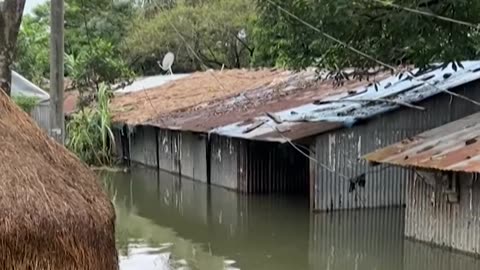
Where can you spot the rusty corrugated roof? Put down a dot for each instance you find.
(243, 108)
(452, 147)
(360, 103)
(301, 106)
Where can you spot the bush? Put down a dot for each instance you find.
(25, 102)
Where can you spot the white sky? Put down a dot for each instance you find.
(30, 4)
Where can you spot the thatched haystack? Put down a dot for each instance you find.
(53, 211)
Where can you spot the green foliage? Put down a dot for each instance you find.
(32, 50)
(89, 132)
(210, 28)
(98, 63)
(390, 35)
(90, 20)
(94, 31)
(25, 102)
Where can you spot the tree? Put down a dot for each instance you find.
(33, 50)
(11, 12)
(393, 36)
(216, 31)
(94, 31)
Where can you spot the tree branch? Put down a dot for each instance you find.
(381, 100)
(251, 50)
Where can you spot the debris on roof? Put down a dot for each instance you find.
(299, 89)
(346, 109)
(452, 147)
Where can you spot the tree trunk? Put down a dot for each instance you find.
(11, 12)
(5, 69)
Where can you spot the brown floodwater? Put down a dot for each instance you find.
(164, 223)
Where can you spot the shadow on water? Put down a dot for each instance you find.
(171, 224)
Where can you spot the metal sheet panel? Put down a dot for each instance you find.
(224, 162)
(41, 115)
(183, 153)
(193, 158)
(452, 147)
(339, 154)
(431, 218)
(258, 167)
(143, 146)
(118, 147)
(168, 151)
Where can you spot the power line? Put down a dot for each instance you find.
(344, 44)
(429, 14)
(367, 56)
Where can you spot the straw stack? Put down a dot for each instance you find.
(53, 211)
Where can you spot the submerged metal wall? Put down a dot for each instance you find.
(344, 181)
(258, 167)
(143, 146)
(224, 162)
(431, 218)
(183, 153)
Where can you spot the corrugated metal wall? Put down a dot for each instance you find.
(258, 167)
(193, 156)
(356, 185)
(118, 147)
(365, 239)
(183, 153)
(143, 146)
(121, 145)
(224, 161)
(41, 115)
(168, 151)
(431, 218)
(274, 168)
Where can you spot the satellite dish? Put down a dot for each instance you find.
(167, 62)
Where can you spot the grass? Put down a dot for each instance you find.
(89, 133)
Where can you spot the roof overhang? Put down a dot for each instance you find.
(452, 147)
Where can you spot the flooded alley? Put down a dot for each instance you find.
(167, 223)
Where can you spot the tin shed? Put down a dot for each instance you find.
(279, 131)
(41, 112)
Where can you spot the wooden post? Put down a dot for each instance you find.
(57, 118)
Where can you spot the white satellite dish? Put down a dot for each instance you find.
(167, 62)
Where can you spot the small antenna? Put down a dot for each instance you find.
(167, 62)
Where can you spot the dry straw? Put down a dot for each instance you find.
(53, 212)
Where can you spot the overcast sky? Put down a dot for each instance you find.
(30, 4)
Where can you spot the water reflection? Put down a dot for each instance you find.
(165, 223)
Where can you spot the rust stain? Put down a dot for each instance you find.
(452, 147)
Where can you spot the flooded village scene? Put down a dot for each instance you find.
(240, 134)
